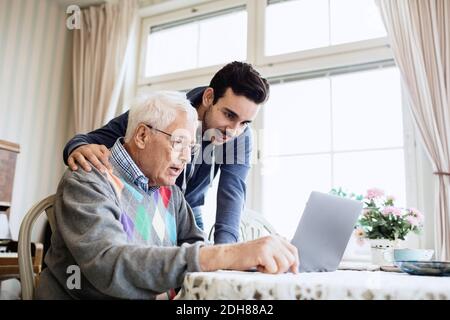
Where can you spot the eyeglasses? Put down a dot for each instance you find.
(179, 143)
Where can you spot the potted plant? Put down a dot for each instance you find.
(383, 223)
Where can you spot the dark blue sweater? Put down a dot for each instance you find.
(232, 188)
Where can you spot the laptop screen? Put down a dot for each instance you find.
(324, 231)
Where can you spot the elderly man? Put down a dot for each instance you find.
(226, 109)
(129, 231)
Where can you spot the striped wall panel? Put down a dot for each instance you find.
(35, 96)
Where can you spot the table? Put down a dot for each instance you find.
(338, 285)
(9, 261)
(9, 266)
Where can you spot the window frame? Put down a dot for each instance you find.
(359, 52)
(189, 13)
(412, 184)
(263, 59)
(304, 62)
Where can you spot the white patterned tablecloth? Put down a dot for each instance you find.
(338, 285)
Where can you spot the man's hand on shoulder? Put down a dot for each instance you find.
(97, 154)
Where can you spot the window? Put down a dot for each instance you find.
(335, 114)
(337, 130)
(306, 24)
(187, 44)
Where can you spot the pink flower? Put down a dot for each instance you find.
(417, 214)
(412, 221)
(374, 193)
(392, 210)
(359, 232)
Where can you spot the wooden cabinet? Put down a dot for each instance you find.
(8, 157)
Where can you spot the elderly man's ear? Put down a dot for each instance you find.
(141, 136)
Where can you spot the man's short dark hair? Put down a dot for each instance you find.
(243, 79)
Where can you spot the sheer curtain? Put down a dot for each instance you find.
(419, 33)
(100, 50)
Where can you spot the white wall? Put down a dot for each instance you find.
(35, 96)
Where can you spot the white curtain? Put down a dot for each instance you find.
(100, 50)
(419, 33)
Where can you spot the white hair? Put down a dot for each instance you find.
(159, 110)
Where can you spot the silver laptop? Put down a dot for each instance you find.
(324, 231)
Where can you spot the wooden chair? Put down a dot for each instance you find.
(29, 276)
(9, 260)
